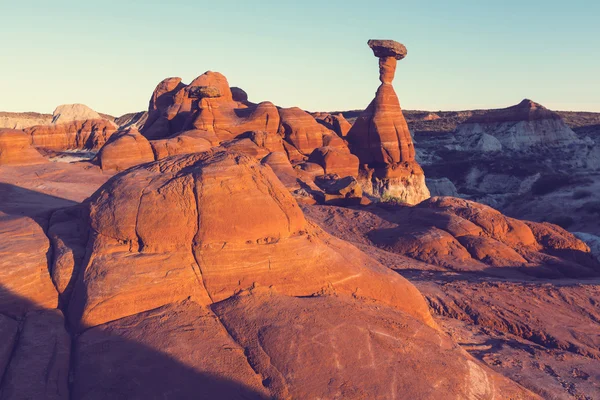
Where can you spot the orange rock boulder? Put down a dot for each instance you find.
(301, 130)
(335, 161)
(124, 150)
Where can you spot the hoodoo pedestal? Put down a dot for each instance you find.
(381, 139)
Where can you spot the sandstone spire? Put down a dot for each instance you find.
(381, 139)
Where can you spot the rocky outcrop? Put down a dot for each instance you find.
(23, 267)
(335, 161)
(334, 122)
(15, 149)
(194, 141)
(206, 104)
(124, 150)
(302, 130)
(381, 139)
(515, 128)
(88, 134)
(216, 204)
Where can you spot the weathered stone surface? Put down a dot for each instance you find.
(339, 191)
(213, 242)
(39, 368)
(301, 130)
(178, 351)
(194, 141)
(335, 161)
(381, 139)
(387, 48)
(281, 166)
(24, 267)
(73, 112)
(380, 135)
(323, 347)
(9, 329)
(124, 150)
(68, 232)
(15, 149)
(89, 134)
(336, 123)
(270, 141)
(176, 107)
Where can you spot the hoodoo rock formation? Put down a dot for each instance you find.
(381, 139)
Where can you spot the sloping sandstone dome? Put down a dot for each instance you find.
(209, 225)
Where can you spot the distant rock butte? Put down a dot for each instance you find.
(73, 112)
(514, 128)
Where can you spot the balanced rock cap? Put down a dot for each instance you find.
(387, 48)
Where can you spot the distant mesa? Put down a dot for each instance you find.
(515, 128)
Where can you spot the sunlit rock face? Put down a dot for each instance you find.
(381, 139)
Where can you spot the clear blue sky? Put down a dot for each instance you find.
(313, 54)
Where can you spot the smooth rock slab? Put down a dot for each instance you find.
(39, 368)
(180, 351)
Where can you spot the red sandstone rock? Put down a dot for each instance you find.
(336, 123)
(239, 95)
(335, 161)
(228, 122)
(213, 242)
(15, 149)
(462, 235)
(270, 141)
(124, 150)
(380, 135)
(39, 367)
(206, 104)
(281, 166)
(324, 347)
(89, 134)
(68, 232)
(180, 350)
(381, 139)
(23, 267)
(301, 130)
(193, 141)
